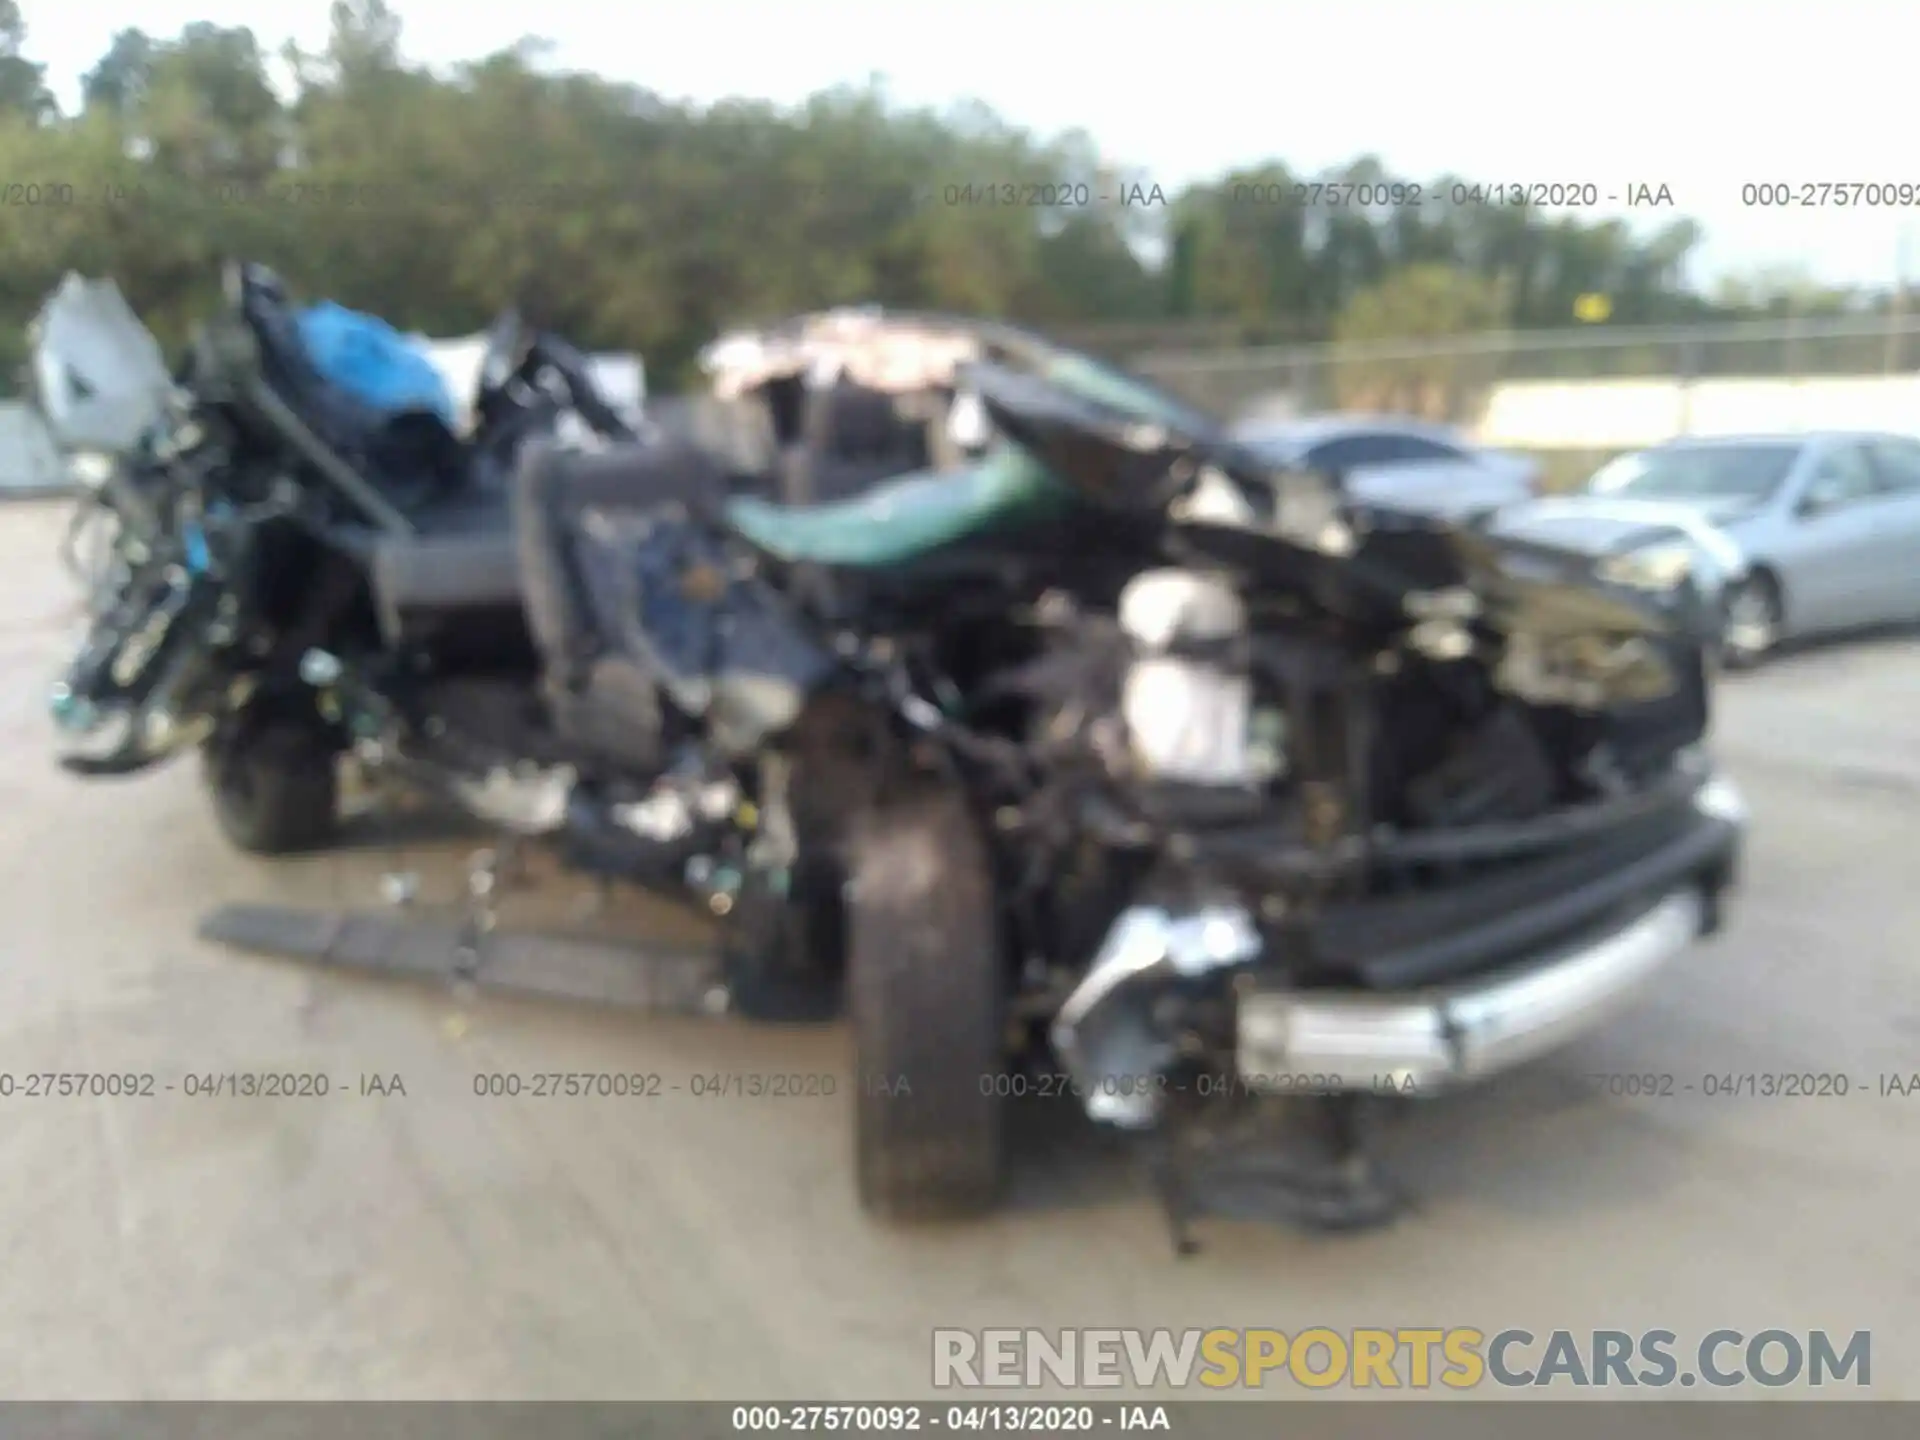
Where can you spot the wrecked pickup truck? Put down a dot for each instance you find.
(1116, 763)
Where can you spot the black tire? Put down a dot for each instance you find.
(275, 788)
(1758, 595)
(926, 988)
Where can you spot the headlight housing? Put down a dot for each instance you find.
(1659, 568)
(91, 469)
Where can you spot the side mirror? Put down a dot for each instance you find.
(1820, 497)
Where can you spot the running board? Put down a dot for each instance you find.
(553, 967)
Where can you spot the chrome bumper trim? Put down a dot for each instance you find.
(1305, 1041)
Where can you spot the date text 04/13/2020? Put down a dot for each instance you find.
(1459, 194)
(1759, 1085)
(1319, 194)
(1011, 195)
(195, 1084)
(1040, 1419)
(743, 1085)
(1738, 1085)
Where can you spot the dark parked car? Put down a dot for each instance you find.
(1399, 461)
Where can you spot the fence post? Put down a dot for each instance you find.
(1897, 310)
(1689, 375)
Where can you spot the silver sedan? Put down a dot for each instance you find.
(1795, 535)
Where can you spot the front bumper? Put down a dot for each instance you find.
(1331, 1041)
(1328, 1041)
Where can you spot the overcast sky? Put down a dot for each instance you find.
(1696, 95)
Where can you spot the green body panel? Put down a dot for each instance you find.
(920, 512)
(902, 518)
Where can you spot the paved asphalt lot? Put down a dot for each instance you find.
(438, 1244)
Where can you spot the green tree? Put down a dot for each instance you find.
(364, 44)
(1248, 249)
(208, 111)
(631, 220)
(1417, 306)
(119, 82)
(23, 84)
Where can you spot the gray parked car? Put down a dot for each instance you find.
(1399, 461)
(1828, 525)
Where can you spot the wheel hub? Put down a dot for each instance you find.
(1750, 626)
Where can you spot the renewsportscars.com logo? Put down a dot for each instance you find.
(1459, 1358)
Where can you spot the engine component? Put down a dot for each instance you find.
(1498, 771)
(1187, 697)
(691, 795)
(523, 799)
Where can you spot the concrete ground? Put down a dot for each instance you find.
(439, 1244)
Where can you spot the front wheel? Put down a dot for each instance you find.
(1752, 623)
(275, 787)
(926, 988)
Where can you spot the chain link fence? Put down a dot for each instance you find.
(1449, 380)
(1458, 379)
